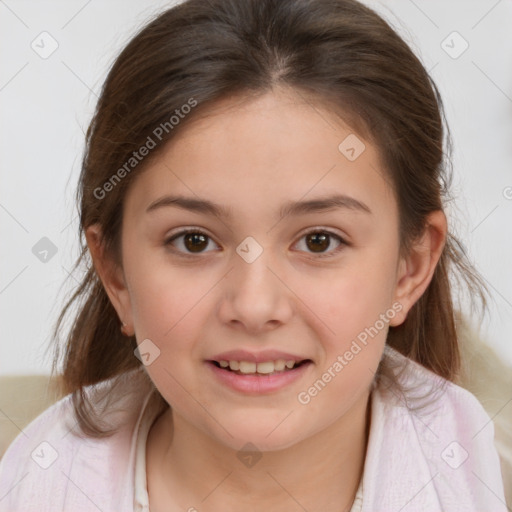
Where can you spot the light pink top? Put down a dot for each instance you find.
(439, 459)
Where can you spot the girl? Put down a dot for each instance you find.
(266, 320)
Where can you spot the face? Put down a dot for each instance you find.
(317, 286)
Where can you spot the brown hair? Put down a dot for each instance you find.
(338, 53)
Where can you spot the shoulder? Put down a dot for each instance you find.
(52, 466)
(442, 437)
(442, 404)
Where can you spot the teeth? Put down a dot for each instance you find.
(245, 367)
(279, 365)
(265, 367)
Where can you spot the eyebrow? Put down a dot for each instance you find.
(321, 204)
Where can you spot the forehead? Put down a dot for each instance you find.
(256, 154)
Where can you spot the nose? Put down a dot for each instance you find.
(255, 297)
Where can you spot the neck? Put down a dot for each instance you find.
(320, 473)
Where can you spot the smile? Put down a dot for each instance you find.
(258, 378)
(262, 368)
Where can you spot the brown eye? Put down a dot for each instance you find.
(195, 242)
(319, 242)
(190, 242)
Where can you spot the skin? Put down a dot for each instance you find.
(252, 157)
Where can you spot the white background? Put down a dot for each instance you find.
(46, 105)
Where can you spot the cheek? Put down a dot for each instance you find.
(351, 298)
(169, 308)
(163, 295)
(355, 313)
(354, 306)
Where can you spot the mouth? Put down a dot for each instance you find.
(261, 377)
(260, 369)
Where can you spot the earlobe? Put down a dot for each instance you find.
(111, 276)
(417, 268)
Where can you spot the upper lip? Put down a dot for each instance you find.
(256, 357)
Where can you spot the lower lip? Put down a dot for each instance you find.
(258, 384)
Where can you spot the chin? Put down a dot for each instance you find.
(269, 435)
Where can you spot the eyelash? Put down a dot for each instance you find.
(184, 232)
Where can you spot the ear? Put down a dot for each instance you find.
(112, 277)
(415, 271)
